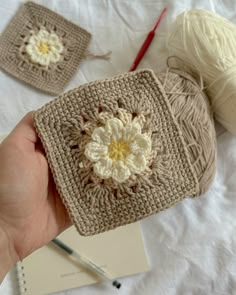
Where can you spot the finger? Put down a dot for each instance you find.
(59, 216)
(25, 129)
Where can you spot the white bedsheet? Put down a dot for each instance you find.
(191, 247)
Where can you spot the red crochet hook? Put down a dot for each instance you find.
(147, 42)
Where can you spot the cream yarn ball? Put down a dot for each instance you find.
(206, 43)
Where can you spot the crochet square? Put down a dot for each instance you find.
(116, 151)
(42, 48)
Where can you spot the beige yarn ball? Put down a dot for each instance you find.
(206, 43)
(190, 107)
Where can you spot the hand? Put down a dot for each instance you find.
(31, 212)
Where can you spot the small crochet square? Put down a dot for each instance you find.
(42, 48)
(116, 151)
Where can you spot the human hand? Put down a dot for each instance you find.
(31, 212)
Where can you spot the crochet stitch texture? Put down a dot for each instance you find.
(65, 127)
(42, 48)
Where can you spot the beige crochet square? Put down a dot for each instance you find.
(42, 48)
(130, 103)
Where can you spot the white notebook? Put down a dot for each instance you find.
(120, 252)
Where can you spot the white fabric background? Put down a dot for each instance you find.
(191, 247)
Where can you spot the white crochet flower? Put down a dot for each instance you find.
(118, 150)
(44, 48)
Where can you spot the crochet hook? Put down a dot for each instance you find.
(86, 262)
(147, 42)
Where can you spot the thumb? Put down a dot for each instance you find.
(25, 130)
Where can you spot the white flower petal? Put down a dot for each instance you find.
(103, 168)
(37, 51)
(33, 40)
(43, 60)
(53, 39)
(141, 144)
(29, 49)
(120, 172)
(56, 47)
(130, 131)
(43, 34)
(95, 151)
(136, 163)
(36, 57)
(114, 127)
(42, 39)
(100, 135)
(140, 119)
(54, 56)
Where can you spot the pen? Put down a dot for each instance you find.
(147, 42)
(86, 262)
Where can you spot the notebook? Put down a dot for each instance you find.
(120, 252)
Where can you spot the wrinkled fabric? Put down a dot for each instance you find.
(191, 248)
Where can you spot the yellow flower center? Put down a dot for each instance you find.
(43, 47)
(118, 150)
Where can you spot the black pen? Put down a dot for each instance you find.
(86, 262)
